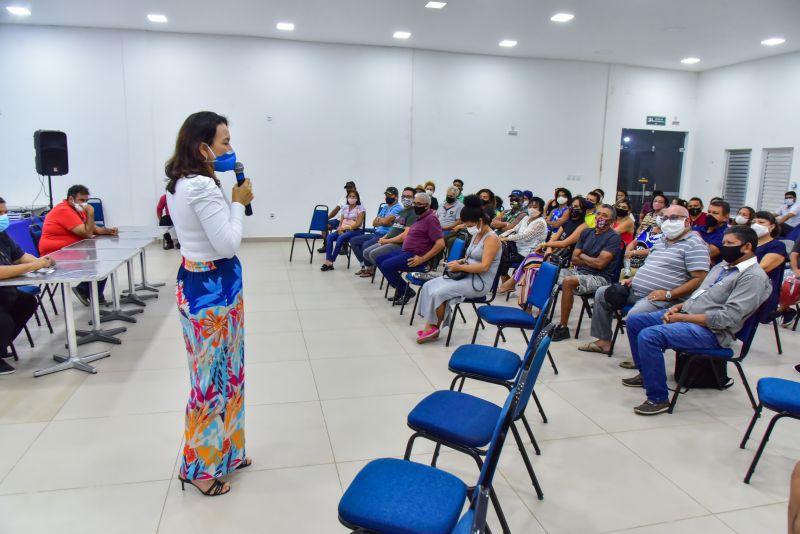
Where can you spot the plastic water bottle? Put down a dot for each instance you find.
(627, 271)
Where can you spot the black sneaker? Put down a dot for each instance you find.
(797, 367)
(84, 299)
(788, 317)
(560, 333)
(5, 369)
(321, 250)
(403, 299)
(651, 408)
(634, 382)
(627, 364)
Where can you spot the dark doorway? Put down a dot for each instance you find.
(650, 160)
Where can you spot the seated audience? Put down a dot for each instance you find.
(675, 267)
(333, 222)
(647, 207)
(624, 224)
(593, 262)
(679, 202)
(430, 188)
(460, 185)
(788, 313)
(591, 203)
(788, 214)
(162, 215)
(393, 240)
(716, 225)
(527, 195)
(697, 217)
(563, 240)
(600, 195)
(16, 307)
(489, 202)
(480, 263)
(638, 249)
(68, 222)
(557, 210)
(745, 216)
(449, 213)
(771, 256)
(421, 243)
(518, 242)
(651, 219)
(508, 219)
(733, 290)
(382, 224)
(622, 195)
(351, 224)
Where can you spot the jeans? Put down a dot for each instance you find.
(16, 307)
(336, 241)
(392, 266)
(361, 242)
(86, 288)
(372, 253)
(650, 337)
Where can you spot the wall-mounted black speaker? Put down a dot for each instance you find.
(51, 152)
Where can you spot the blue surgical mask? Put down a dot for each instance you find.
(225, 162)
(4, 222)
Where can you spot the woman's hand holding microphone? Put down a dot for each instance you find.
(243, 194)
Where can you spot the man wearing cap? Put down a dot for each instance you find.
(333, 223)
(509, 218)
(382, 224)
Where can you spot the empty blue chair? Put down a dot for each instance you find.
(99, 214)
(465, 423)
(456, 252)
(390, 496)
(779, 395)
(319, 224)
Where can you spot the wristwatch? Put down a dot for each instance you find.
(668, 295)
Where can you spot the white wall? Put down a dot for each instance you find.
(377, 115)
(752, 105)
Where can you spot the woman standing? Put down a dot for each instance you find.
(480, 265)
(210, 303)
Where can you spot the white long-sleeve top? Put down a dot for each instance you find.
(527, 234)
(209, 227)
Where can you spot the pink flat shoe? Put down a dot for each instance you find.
(427, 337)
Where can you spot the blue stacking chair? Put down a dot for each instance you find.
(501, 366)
(99, 214)
(779, 395)
(372, 230)
(464, 422)
(511, 317)
(390, 496)
(486, 300)
(745, 335)
(456, 252)
(319, 224)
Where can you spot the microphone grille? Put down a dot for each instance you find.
(238, 167)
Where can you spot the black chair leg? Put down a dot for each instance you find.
(461, 313)
(496, 337)
(746, 385)
(495, 501)
(410, 446)
(436, 452)
(475, 335)
(28, 335)
(524, 335)
(414, 311)
(750, 427)
(291, 252)
(527, 462)
(539, 406)
(36, 316)
(14, 352)
(681, 381)
(761, 447)
(530, 435)
(552, 362)
(777, 335)
(44, 314)
(450, 331)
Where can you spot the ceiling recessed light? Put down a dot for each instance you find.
(508, 43)
(690, 60)
(435, 5)
(562, 17)
(402, 35)
(18, 10)
(154, 17)
(285, 26)
(773, 41)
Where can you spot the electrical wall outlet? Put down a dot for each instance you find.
(271, 215)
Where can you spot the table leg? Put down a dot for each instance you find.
(96, 333)
(132, 297)
(72, 360)
(145, 285)
(117, 313)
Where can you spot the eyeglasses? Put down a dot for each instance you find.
(673, 218)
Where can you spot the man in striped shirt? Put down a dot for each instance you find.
(674, 268)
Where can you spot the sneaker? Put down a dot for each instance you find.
(634, 382)
(321, 250)
(177, 245)
(627, 364)
(797, 367)
(788, 317)
(5, 369)
(403, 299)
(651, 408)
(560, 333)
(80, 296)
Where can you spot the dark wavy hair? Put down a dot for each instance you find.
(473, 211)
(187, 160)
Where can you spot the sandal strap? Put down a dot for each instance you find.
(215, 489)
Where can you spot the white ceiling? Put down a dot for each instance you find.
(653, 33)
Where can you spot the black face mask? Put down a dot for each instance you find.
(711, 221)
(449, 200)
(731, 254)
(622, 212)
(575, 213)
(694, 212)
(419, 210)
(390, 200)
(484, 202)
(588, 204)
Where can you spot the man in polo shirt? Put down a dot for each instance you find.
(69, 222)
(422, 241)
(16, 307)
(508, 219)
(593, 262)
(719, 212)
(393, 240)
(697, 217)
(733, 290)
(788, 214)
(675, 267)
(382, 224)
(449, 212)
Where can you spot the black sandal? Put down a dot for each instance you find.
(214, 490)
(245, 463)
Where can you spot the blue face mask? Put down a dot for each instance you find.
(4, 222)
(225, 162)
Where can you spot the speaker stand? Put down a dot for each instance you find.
(50, 185)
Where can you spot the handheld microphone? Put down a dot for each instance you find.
(239, 170)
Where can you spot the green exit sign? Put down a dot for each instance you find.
(656, 121)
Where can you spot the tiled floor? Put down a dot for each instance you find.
(332, 372)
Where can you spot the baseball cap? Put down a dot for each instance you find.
(527, 194)
(391, 191)
(516, 193)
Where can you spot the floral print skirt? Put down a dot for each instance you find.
(211, 309)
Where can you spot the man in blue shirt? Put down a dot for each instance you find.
(382, 223)
(719, 212)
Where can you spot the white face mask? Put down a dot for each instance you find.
(741, 219)
(534, 213)
(789, 201)
(561, 200)
(79, 206)
(759, 229)
(473, 230)
(430, 191)
(672, 229)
